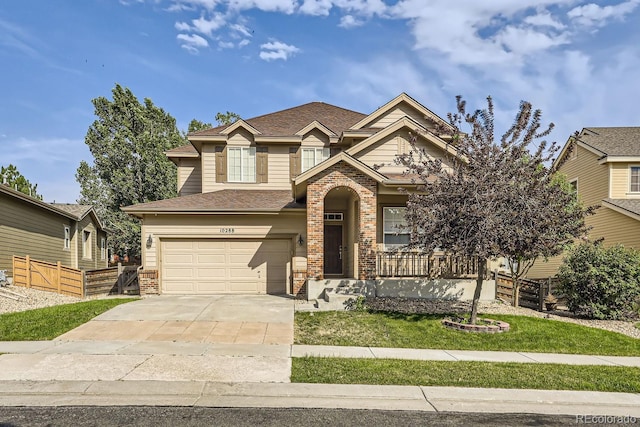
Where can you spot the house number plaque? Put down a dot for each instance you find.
(227, 230)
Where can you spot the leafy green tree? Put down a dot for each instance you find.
(196, 125)
(491, 198)
(9, 175)
(227, 118)
(127, 140)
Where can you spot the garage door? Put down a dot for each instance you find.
(210, 266)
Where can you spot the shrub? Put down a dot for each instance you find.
(601, 283)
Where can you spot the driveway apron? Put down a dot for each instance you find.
(229, 338)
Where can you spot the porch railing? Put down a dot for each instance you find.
(420, 264)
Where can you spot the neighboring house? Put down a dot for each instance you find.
(267, 203)
(50, 232)
(603, 165)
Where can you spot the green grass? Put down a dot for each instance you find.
(50, 322)
(349, 328)
(465, 374)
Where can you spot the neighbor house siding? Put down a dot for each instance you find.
(88, 262)
(189, 177)
(28, 230)
(593, 187)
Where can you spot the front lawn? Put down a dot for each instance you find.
(363, 329)
(465, 374)
(50, 322)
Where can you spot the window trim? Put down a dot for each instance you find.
(243, 164)
(103, 248)
(572, 182)
(396, 233)
(631, 168)
(66, 240)
(87, 243)
(325, 153)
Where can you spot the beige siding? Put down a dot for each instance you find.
(208, 159)
(28, 230)
(278, 161)
(213, 226)
(621, 181)
(593, 186)
(384, 152)
(401, 110)
(189, 176)
(315, 138)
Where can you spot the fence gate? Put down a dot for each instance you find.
(45, 276)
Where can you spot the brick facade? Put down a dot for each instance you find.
(149, 283)
(365, 187)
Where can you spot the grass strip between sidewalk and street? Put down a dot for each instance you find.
(50, 322)
(395, 330)
(329, 370)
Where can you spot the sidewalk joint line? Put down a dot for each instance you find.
(529, 357)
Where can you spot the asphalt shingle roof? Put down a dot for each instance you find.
(224, 200)
(631, 205)
(79, 211)
(613, 141)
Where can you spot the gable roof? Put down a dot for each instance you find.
(344, 157)
(403, 97)
(288, 122)
(225, 201)
(72, 211)
(612, 141)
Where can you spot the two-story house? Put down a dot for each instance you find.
(603, 165)
(268, 203)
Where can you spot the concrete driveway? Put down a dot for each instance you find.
(227, 338)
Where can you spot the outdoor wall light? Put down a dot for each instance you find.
(300, 240)
(149, 240)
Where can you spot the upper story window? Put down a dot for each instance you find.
(635, 179)
(313, 156)
(395, 230)
(86, 244)
(241, 164)
(67, 237)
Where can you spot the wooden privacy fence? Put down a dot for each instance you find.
(532, 291)
(419, 264)
(46, 276)
(111, 280)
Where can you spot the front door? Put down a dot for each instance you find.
(333, 249)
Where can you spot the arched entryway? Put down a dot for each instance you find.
(341, 232)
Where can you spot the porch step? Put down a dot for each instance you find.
(341, 290)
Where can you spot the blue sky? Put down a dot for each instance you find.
(577, 61)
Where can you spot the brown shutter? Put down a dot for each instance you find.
(295, 166)
(221, 163)
(262, 164)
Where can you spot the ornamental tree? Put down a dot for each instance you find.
(488, 199)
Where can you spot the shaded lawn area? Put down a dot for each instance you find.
(50, 322)
(465, 374)
(363, 329)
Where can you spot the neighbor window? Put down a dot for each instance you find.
(313, 156)
(103, 248)
(86, 244)
(396, 232)
(67, 237)
(574, 185)
(241, 163)
(635, 179)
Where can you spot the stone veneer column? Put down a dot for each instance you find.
(341, 175)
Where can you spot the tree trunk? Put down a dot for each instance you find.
(482, 266)
(516, 293)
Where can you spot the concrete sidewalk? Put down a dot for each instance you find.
(460, 355)
(282, 395)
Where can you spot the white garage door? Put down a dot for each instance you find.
(211, 266)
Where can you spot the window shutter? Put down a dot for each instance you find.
(294, 162)
(221, 163)
(262, 164)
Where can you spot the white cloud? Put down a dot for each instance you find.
(240, 29)
(285, 6)
(182, 26)
(207, 26)
(180, 5)
(192, 42)
(544, 19)
(243, 43)
(316, 7)
(225, 45)
(593, 15)
(348, 21)
(277, 50)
